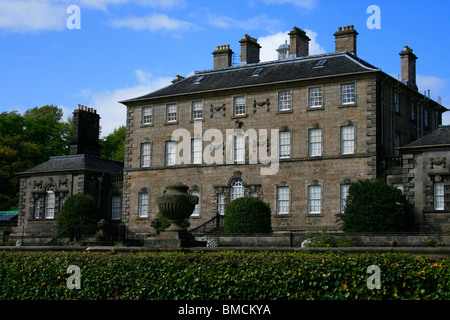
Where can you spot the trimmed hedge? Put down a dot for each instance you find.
(79, 209)
(247, 215)
(221, 275)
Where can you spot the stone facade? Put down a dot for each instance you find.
(307, 190)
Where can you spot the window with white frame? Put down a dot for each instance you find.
(221, 203)
(284, 144)
(196, 212)
(284, 100)
(239, 148)
(314, 199)
(344, 195)
(315, 97)
(143, 204)
(171, 112)
(348, 93)
(146, 149)
(438, 196)
(147, 115)
(197, 110)
(116, 203)
(237, 189)
(239, 107)
(315, 142)
(283, 200)
(348, 140)
(37, 208)
(170, 153)
(50, 202)
(196, 151)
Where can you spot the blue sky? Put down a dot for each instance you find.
(127, 48)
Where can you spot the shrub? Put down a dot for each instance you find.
(79, 209)
(326, 240)
(247, 215)
(374, 206)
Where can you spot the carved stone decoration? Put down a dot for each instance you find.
(62, 183)
(442, 163)
(261, 104)
(38, 185)
(213, 110)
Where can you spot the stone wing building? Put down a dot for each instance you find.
(295, 132)
(44, 188)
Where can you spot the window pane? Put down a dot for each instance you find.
(116, 206)
(143, 204)
(285, 144)
(284, 100)
(237, 189)
(348, 93)
(221, 203)
(171, 112)
(196, 212)
(438, 196)
(37, 208)
(239, 106)
(315, 142)
(315, 97)
(348, 140)
(344, 195)
(239, 148)
(197, 110)
(170, 153)
(314, 199)
(196, 151)
(146, 154)
(147, 115)
(282, 200)
(50, 203)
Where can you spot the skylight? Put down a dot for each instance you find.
(199, 79)
(321, 63)
(257, 72)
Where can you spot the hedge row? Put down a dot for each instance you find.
(222, 275)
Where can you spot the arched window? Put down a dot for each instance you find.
(50, 202)
(237, 189)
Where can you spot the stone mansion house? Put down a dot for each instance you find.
(294, 132)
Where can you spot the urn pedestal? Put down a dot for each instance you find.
(176, 205)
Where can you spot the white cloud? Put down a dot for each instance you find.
(104, 4)
(434, 84)
(31, 15)
(304, 4)
(113, 113)
(270, 43)
(155, 22)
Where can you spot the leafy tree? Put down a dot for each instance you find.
(247, 215)
(374, 206)
(79, 209)
(113, 146)
(26, 141)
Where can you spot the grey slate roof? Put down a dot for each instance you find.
(77, 162)
(273, 72)
(437, 138)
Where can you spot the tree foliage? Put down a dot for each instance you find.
(247, 215)
(113, 145)
(26, 141)
(374, 206)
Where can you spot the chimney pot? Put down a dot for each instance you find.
(345, 39)
(299, 43)
(222, 57)
(408, 67)
(249, 50)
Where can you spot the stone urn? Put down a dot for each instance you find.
(176, 205)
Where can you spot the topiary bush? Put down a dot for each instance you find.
(79, 209)
(374, 206)
(247, 215)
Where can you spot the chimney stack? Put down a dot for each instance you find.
(223, 57)
(408, 65)
(249, 50)
(299, 43)
(86, 132)
(345, 39)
